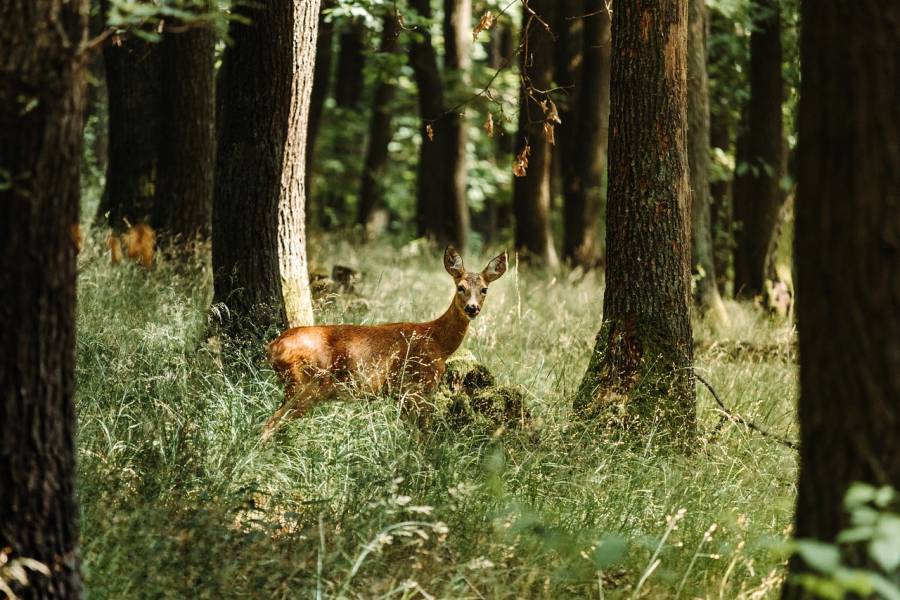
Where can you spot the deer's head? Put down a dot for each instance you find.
(471, 288)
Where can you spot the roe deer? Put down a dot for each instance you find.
(312, 361)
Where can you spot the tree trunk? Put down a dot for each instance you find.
(531, 192)
(757, 208)
(847, 249)
(706, 294)
(186, 167)
(133, 82)
(42, 85)
(436, 192)
(371, 195)
(720, 207)
(321, 82)
(348, 87)
(457, 61)
(640, 369)
(259, 255)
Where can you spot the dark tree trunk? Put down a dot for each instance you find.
(42, 85)
(758, 205)
(371, 195)
(584, 153)
(133, 82)
(186, 167)
(436, 192)
(348, 86)
(259, 256)
(457, 43)
(321, 82)
(531, 193)
(847, 250)
(641, 364)
(706, 294)
(720, 207)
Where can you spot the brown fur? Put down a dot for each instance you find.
(397, 357)
(139, 244)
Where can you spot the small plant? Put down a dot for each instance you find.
(875, 531)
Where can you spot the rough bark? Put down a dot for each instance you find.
(847, 248)
(42, 85)
(182, 211)
(348, 85)
(321, 81)
(531, 193)
(757, 207)
(457, 61)
(259, 256)
(436, 193)
(640, 370)
(371, 195)
(133, 82)
(706, 293)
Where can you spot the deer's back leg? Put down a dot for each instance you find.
(303, 389)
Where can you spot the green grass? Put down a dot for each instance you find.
(179, 500)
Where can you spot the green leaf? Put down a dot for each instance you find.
(863, 533)
(864, 515)
(885, 545)
(824, 558)
(858, 494)
(884, 496)
(885, 588)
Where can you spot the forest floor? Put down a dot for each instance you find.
(180, 500)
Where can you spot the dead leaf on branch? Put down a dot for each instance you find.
(520, 165)
(549, 131)
(551, 114)
(487, 20)
(489, 125)
(429, 131)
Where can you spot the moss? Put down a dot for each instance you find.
(470, 394)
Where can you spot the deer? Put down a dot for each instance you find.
(314, 363)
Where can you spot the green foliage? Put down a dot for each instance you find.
(180, 500)
(874, 528)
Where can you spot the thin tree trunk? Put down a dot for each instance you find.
(348, 85)
(186, 166)
(720, 207)
(133, 82)
(42, 87)
(259, 256)
(706, 295)
(847, 249)
(641, 364)
(321, 83)
(531, 193)
(759, 204)
(371, 195)
(457, 61)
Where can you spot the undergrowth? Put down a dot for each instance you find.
(180, 500)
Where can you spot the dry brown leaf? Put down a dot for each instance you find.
(489, 125)
(551, 114)
(549, 130)
(520, 165)
(487, 20)
(429, 131)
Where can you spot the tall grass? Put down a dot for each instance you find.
(180, 500)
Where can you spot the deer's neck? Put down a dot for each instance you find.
(449, 329)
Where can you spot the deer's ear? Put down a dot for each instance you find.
(495, 268)
(453, 262)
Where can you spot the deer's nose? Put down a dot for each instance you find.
(472, 309)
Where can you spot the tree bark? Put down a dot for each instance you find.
(321, 82)
(457, 61)
(531, 193)
(42, 86)
(186, 167)
(133, 82)
(371, 195)
(706, 293)
(759, 204)
(437, 195)
(640, 369)
(259, 255)
(847, 249)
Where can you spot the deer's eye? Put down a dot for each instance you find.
(460, 289)
(483, 291)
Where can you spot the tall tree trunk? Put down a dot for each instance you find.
(758, 206)
(348, 85)
(531, 192)
(186, 166)
(706, 294)
(720, 207)
(641, 364)
(42, 85)
(457, 61)
(321, 83)
(436, 193)
(588, 132)
(133, 82)
(371, 195)
(259, 255)
(847, 249)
